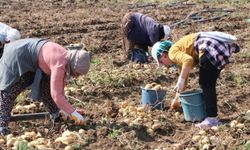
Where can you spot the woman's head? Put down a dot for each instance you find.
(78, 62)
(160, 52)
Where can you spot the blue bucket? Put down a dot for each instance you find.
(193, 105)
(153, 98)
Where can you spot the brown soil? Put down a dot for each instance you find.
(97, 25)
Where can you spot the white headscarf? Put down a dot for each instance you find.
(167, 31)
(2, 38)
(13, 35)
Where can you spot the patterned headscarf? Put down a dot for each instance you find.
(160, 47)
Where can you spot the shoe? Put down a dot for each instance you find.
(3, 131)
(208, 123)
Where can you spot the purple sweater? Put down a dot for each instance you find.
(144, 30)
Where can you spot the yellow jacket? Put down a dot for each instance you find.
(183, 53)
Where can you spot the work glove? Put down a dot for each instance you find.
(179, 85)
(65, 116)
(78, 118)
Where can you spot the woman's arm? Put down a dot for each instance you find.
(57, 90)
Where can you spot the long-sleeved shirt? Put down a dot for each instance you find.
(144, 30)
(52, 60)
(188, 50)
(28, 55)
(182, 52)
(217, 51)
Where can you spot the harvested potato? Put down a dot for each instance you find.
(157, 87)
(124, 104)
(68, 148)
(148, 87)
(205, 140)
(11, 141)
(202, 132)
(164, 88)
(150, 131)
(240, 125)
(136, 66)
(9, 136)
(2, 141)
(140, 109)
(215, 128)
(196, 138)
(205, 147)
(19, 107)
(233, 123)
(156, 126)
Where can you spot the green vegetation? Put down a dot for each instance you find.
(115, 133)
(22, 98)
(22, 145)
(238, 79)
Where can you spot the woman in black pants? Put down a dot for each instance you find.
(211, 51)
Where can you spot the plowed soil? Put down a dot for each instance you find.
(112, 81)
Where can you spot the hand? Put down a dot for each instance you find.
(78, 118)
(175, 104)
(65, 116)
(179, 85)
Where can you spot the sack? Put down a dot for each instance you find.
(220, 36)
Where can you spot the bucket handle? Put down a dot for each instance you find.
(191, 104)
(157, 100)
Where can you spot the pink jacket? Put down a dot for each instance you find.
(52, 60)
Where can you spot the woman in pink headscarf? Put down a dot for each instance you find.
(44, 65)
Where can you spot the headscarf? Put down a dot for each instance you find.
(2, 38)
(13, 35)
(78, 62)
(167, 31)
(160, 47)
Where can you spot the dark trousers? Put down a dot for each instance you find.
(128, 46)
(7, 97)
(1, 52)
(207, 80)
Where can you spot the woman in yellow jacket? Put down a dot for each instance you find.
(211, 51)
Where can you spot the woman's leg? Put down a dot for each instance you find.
(207, 80)
(127, 45)
(7, 98)
(45, 96)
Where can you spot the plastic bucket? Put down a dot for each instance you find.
(193, 105)
(153, 98)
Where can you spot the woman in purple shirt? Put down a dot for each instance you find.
(140, 31)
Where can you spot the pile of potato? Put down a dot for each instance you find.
(203, 140)
(138, 116)
(25, 108)
(35, 140)
(71, 137)
(32, 139)
(155, 86)
(236, 124)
